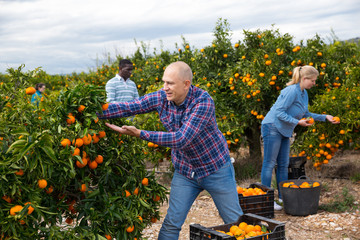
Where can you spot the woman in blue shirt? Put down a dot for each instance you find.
(36, 97)
(279, 123)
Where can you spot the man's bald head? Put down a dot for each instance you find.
(183, 71)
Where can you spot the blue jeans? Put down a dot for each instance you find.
(222, 187)
(276, 151)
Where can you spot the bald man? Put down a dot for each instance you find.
(199, 151)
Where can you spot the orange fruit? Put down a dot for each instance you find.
(93, 164)
(65, 142)
(7, 199)
(136, 191)
(316, 184)
(20, 172)
(140, 218)
(145, 182)
(16, 209)
(105, 106)
(99, 159)
(70, 119)
(81, 108)
(233, 229)
(310, 120)
(87, 139)
(150, 144)
(153, 220)
(50, 190)
(242, 225)
(336, 119)
(342, 132)
(83, 187)
(78, 142)
(76, 152)
(42, 183)
(127, 193)
(108, 237)
(156, 198)
(30, 209)
(81, 165)
(249, 228)
(239, 189)
(257, 228)
(95, 138)
(30, 90)
(130, 229)
(287, 184)
(96, 120)
(102, 134)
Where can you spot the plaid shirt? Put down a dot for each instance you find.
(197, 145)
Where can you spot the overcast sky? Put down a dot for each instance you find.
(65, 36)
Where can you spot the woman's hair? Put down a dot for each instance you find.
(301, 73)
(39, 85)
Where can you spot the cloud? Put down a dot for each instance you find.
(64, 36)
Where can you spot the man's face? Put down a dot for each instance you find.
(175, 88)
(125, 72)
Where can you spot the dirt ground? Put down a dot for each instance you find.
(323, 225)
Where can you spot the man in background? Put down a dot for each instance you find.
(121, 88)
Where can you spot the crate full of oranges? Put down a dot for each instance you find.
(257, 199)
(249, 226)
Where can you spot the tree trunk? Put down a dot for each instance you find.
(253, 134)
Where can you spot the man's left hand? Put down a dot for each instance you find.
(128, 130)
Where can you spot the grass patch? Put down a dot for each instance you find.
(337, 206)
(245, 171)
(355, 177)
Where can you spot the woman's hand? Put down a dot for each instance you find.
(304, 123)
(331, 119)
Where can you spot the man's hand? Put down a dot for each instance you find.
(128, 130)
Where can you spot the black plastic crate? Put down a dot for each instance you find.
(276, 228)
(262, 205)
(296, 167)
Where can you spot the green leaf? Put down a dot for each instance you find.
(49, 152)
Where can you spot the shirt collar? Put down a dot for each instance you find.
(301, 91)
(119, 77)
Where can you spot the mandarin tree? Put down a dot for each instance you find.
(92, 199)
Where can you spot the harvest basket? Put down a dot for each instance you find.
(300, 201)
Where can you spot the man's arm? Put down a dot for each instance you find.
(144, 104)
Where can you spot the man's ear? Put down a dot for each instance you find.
(187, 83)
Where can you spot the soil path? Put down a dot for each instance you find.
(320, 226)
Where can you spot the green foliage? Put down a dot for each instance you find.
(337, 206)
(32, 143)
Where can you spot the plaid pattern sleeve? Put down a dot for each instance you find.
(145, 104)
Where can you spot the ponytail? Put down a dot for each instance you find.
(302, 72)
